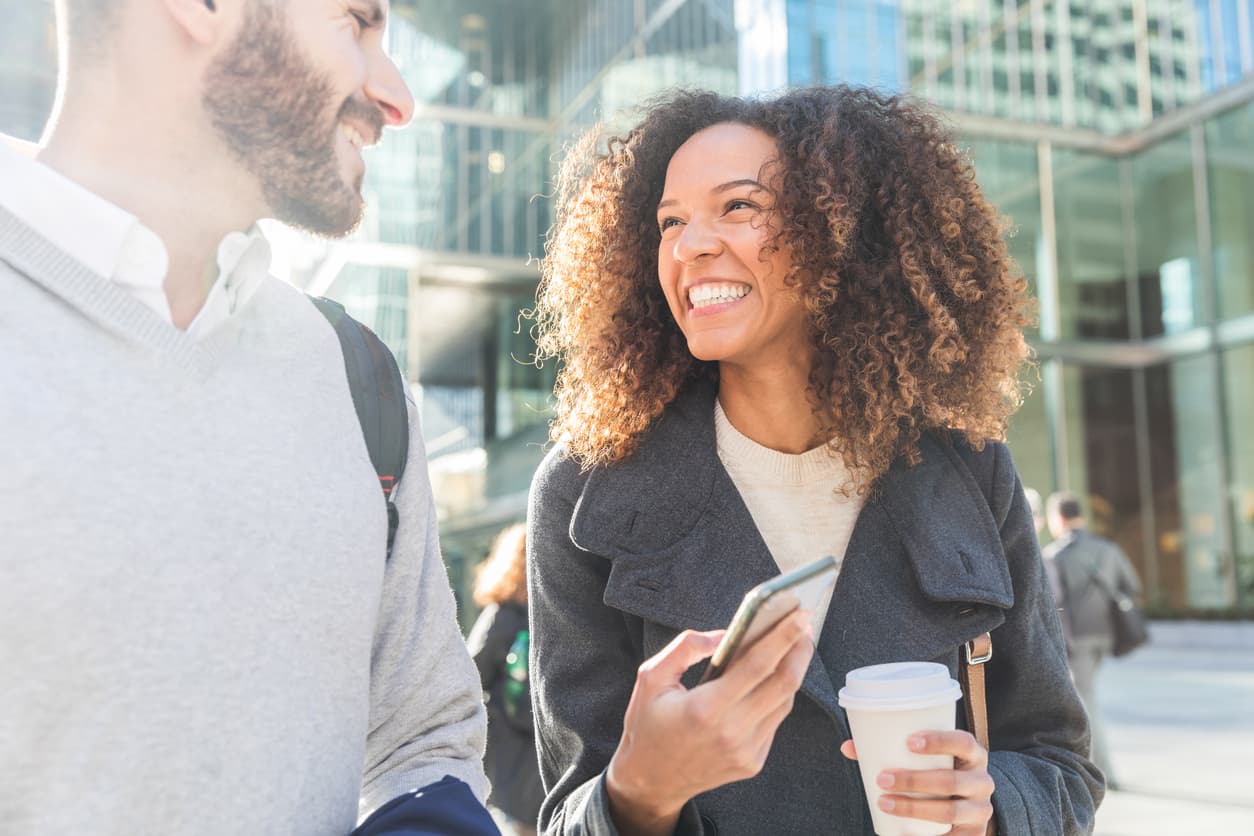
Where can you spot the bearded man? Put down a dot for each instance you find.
(201, 631)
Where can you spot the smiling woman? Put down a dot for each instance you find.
(850, 208)
(788, 328)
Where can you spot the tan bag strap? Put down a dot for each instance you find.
(971, 671)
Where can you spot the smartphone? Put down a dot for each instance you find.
(766, 604)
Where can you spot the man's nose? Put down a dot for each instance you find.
(387, 89)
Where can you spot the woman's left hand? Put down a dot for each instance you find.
(964, 792)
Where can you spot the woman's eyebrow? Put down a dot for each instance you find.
(732, 184)
(729, 185)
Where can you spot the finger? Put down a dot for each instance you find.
(664, 668)
(849, 750)
(782, 685)
(956, 811)
(962, 745)
(764, 732)
(764, 656)
(973, 784)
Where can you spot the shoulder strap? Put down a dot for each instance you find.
(378, 396)
(971, 671)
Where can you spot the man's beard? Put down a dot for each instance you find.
(267, 102)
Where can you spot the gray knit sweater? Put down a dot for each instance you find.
(199, 633)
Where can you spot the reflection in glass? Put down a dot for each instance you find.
(1007, 174)
(1188, 505)
(1028, 437)
(1170, 288)
(1101, 455)
(28, 68)
(1230, 163)
(1239, 383)
(1092, 288)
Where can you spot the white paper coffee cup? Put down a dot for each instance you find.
(886, 704)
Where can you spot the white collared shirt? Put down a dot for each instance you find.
(112, 243)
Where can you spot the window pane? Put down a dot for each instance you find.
(1230, 163)
(1185, 481)
(28, 68)
(1239, 381)
(1102, 464)
(1166, 238)
(1092, 289)
(1007, 173)
(1029, 440)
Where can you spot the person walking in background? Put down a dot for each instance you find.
(1088, 569)
(1037, 505)
(498, 643)
(788, 328)
(1033, 496)
(204, 630)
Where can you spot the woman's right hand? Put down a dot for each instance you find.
(678, 742)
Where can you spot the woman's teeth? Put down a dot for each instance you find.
(704, 295)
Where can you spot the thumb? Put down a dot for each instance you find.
(684, 651)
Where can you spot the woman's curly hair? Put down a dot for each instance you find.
(915, 309)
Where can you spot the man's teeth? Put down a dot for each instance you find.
(352, 135)
(704, 295)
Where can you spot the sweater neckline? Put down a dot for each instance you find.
(764, 465)
(98, 298)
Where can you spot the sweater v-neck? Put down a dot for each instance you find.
(99, 299)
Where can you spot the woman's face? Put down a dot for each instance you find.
(724, 289)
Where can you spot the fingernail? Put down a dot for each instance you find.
(916, 743)
(886, 780)
(887, 804)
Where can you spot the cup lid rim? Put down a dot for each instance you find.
(898, 685)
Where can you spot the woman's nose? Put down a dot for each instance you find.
(696, 240)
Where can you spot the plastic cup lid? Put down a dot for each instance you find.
(897, 686)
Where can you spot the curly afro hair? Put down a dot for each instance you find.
(915, 309)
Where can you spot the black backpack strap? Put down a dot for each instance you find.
(378, 391)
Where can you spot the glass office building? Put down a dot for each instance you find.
(1117, 135)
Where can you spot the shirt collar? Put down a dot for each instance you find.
(100, 235)
(115, 245)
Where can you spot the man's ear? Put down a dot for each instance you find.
(198, 19)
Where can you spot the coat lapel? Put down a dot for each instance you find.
(924, 570)
(683, 547)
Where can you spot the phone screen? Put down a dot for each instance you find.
(766, 604)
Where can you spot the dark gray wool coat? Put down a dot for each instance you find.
(623, 558)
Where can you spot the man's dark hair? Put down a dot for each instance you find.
(1065, 505)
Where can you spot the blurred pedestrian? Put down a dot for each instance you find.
(1037, 505)
(788, 328)
(214, 619)
(1088, 568)
(1033, 496)
(499, 643)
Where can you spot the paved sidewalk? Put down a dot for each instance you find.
(1180, 720)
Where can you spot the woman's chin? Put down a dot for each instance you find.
(707, 351)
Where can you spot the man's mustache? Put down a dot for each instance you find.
(365, 113)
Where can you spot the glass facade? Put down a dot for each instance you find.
(1116, 137)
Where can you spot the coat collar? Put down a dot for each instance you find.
(684, 548)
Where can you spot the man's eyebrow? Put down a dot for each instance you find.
(724, 187)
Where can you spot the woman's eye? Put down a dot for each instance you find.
(667, 223)
(360, 23)
(740, 204)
